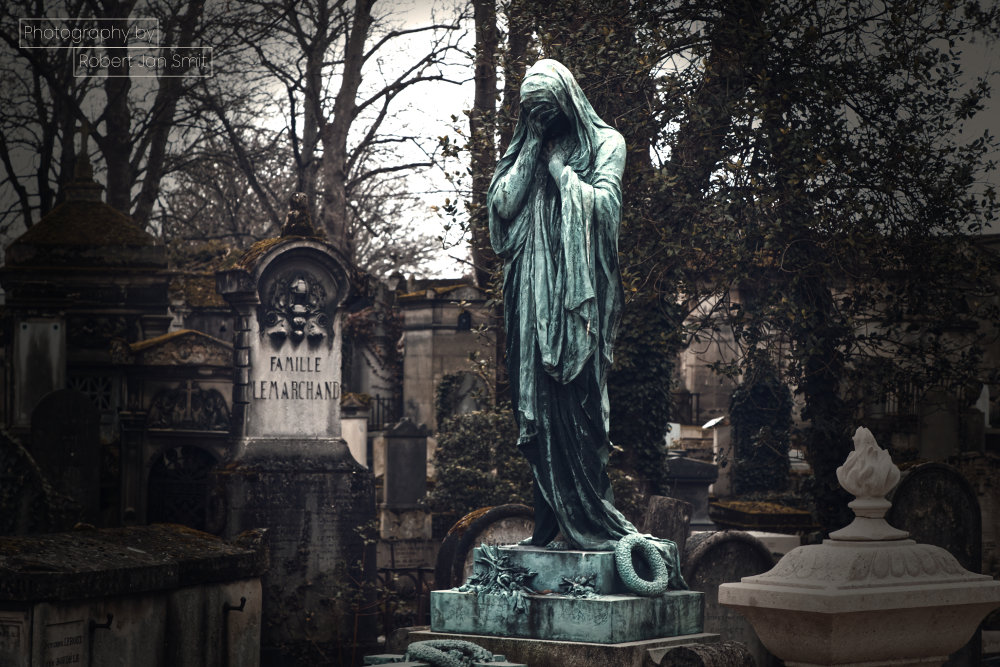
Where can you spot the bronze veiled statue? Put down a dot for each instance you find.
(554, 212)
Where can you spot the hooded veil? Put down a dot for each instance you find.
(562, 305)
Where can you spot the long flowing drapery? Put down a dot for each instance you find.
(558, 236)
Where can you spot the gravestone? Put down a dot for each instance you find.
(65, 442)
(669, 518)
(936, 505)
(405, 483)
(714, 558)
(291, 470)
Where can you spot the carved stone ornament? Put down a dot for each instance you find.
(294, 307)
(499, 575)
(189, 407)
(868, 474)
(183, 348)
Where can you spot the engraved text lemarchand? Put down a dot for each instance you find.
(295, 389)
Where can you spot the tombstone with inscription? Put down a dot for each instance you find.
(291, 470)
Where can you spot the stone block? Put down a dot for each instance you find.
(602, 618)
(552, 566)
(404, 524)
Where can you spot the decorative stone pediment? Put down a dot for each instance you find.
(188, 406)
(180, 348)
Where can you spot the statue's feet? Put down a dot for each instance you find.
(557, 545)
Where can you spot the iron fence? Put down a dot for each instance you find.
(384, 411)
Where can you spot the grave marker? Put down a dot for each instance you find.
(291, 470)
(936, 505)
(715, 558)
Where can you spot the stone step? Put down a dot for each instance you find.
(399, 660)
(543, 653)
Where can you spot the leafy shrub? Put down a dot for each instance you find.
(761, 414)
(477, 463)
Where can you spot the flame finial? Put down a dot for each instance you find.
(868, 474)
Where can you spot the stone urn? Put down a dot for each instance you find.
(868, 595)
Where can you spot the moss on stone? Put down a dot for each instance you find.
(86, 223)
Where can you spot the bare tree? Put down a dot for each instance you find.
(140, 125)
(331, 59)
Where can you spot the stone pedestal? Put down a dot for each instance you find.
(602, 611)
(291, 471)
(401, 517)
(867, 596)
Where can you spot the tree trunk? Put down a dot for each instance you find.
(482, 126)
(334, 214)
(116, 141)
(515, 63)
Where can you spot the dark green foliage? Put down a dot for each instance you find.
(639, 390)
(477, 464)
(797, 175)
(760, 411)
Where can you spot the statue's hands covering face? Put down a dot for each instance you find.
(541, 115)
(555, 155)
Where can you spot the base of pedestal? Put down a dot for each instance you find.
(311, 500)
(609, 613)
(610, 619)
(549, 653)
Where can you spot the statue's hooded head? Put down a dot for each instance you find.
(550, 93)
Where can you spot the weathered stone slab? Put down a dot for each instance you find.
(399, 660)
(669, 518)
(602, 618)
(715, 558)
(546, 653)
(119, 561)
(721, 654)
(146, 595)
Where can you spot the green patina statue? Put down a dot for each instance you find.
(554, 213)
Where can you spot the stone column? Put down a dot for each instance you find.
(290, 470)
